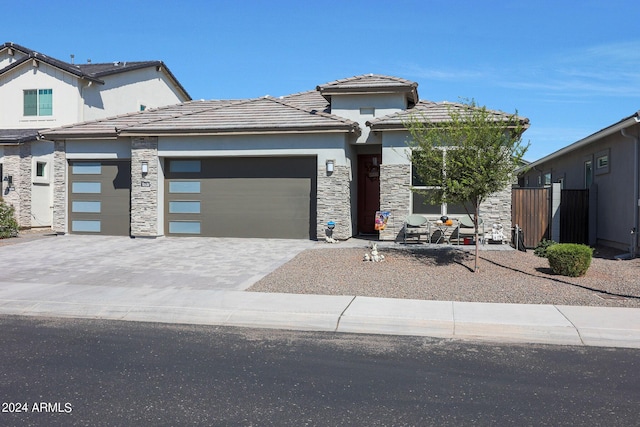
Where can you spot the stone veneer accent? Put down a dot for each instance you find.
(144, 199)
(496, 209)
(395, 197)
(17, 163)
(59, 224)
(334, 201)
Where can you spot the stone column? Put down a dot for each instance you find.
(17, 164)
(144, 188)
(60, 188)
(496, 209)
(334, 201)
(395, 197)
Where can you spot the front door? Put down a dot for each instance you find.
(368, 192)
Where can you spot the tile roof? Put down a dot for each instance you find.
(309, 100)
(92, 72)
(257, 115)
(429, 112)
(370, 83)
(17, 136)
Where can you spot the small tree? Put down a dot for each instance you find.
(8, 223)
(466, 157)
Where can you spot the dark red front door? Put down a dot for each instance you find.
(368, 191)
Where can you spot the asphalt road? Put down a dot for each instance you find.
(95, 372)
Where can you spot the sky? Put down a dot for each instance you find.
(571, 67)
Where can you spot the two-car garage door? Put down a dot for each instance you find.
(241, 197)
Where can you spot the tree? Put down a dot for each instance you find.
(466, 157)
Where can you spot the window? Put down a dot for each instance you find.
(38, 102)
(41, 169)
(602, 162)
(184, 206)
(368, 111)
(433, 184)
(547, 178)
(588, 174)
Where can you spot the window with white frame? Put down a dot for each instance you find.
(40, 171)
(38, 102)
(420, 204)
(602, 162)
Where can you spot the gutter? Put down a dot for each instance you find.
(636, 187)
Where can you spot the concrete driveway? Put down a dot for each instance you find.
(167, 262)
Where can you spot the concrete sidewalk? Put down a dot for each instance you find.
(566, 325)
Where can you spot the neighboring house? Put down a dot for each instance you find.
(39, 92)
(264, 167)
(606, 163)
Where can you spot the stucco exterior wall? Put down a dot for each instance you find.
(66, 97)
(126, 92)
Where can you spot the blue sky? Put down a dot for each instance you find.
(571, 67)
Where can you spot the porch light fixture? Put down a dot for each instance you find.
(145, 168)
(330, 164)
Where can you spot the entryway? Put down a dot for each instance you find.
(368, 192)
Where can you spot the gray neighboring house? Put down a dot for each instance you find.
(265, 167)
(607, 163)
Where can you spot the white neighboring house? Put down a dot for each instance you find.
(40, 92)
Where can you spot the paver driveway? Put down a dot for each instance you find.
(167, 262)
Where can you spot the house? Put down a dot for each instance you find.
(40, 92)
(264, 167)
(607, 164)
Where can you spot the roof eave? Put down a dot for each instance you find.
(235, 131)
(616, 127)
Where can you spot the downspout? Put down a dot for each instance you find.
(636, 188)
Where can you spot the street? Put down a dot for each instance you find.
(96, 372)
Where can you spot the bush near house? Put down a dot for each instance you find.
(569, 259)
(541, 249)
(8, 222)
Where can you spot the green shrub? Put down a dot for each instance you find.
(8, 223)
(569, 259)
(541, 249)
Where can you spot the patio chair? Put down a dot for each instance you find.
(415, 225)
(467, 229)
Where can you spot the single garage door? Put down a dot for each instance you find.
(100, 197)
(241, 197)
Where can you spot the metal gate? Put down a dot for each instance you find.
(531, 211)
(574, 216)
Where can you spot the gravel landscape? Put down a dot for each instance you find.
(446, 274)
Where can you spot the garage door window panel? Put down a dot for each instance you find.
(182, 187)
(184, 207)
(86, 206)
(86, 226)
(184, 227)
(88, 168)
(86, 187)
(185, 166)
